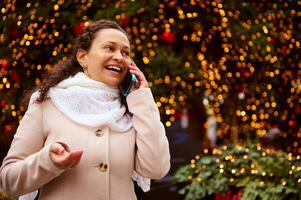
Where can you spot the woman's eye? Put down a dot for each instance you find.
(109, 48)
(126, 53)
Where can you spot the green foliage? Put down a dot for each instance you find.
(258, 173)
(4, 196)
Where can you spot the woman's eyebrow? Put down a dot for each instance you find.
(114, 43)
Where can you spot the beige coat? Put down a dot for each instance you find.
(108, 161)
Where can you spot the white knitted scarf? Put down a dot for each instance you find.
(93, 104)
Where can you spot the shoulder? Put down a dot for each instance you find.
(34, 106)
(34, 97)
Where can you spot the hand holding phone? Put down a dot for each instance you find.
(134, 77)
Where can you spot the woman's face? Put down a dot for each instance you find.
(108, 58)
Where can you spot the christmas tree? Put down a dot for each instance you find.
(240, 61)
(236, 62)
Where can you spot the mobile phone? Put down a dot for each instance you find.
(127, 83)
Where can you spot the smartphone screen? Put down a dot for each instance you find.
(127, 83)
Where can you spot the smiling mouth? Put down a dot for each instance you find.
(114, 68)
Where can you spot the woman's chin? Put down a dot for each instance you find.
(113, 82)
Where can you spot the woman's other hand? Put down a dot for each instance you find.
(62, 157)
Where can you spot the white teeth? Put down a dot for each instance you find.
(115, 68)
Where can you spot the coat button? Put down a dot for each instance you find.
(103, 167)
(99, 133)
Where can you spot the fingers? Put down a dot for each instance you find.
(75, 158)
(57, 148)
(69, 159)
(142, 82)
(62, 157)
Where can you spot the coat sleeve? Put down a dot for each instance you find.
(152, 158)
(27, 165)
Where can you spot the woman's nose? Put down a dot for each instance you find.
(118, 56)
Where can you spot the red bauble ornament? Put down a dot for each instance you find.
(4, 63)
(167, 37)
(124, 20)
(275, 126)
(77, 29)
(292, 123)
(177, 114)
(272, 40)
(14, 76)
(8, 128)
(298, 110)
(2, 104)
(230, 195)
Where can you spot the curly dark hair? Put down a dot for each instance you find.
(70, 67)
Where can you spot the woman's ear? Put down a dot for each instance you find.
(81, 56)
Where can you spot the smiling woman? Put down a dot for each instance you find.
(77, 140)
